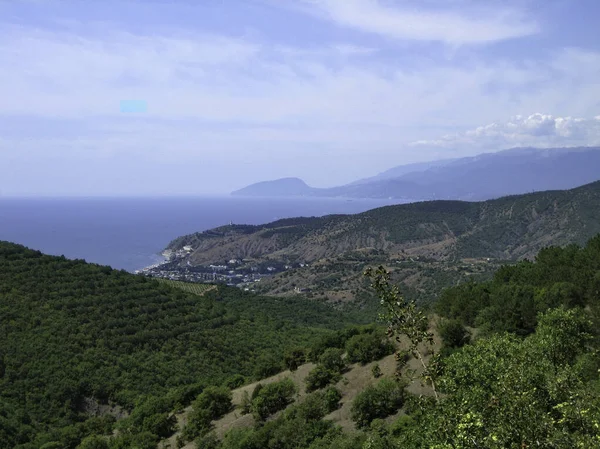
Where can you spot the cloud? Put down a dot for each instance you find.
(404, 20)
(253, 107)
(537, 130)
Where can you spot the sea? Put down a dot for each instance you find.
(130, 233)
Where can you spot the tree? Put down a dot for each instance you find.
(294, 358)
(404, 319)
(377, 401)
(332, 360)
(320, 377)
(93, 442)
(453, 333)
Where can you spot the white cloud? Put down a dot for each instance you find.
(403, 20)
(256, 109)
(537, 130)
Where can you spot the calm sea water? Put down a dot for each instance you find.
(129, 233)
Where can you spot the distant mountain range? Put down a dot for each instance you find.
(510, 227)
(486, 176)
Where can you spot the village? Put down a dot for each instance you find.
(241, 273)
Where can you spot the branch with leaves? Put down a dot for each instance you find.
(404, 319)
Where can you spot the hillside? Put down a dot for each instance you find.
(527, 376)
(485, 176)
(449, 235)
(81, 344)
(510, 228)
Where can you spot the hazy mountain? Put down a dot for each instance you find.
(486, 176)
(278, 187)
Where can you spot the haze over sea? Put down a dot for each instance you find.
(130, 233)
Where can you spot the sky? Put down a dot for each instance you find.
(201, 97)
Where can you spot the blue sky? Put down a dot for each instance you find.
(238, 91)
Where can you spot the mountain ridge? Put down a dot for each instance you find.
(480, 177)
(541, 218)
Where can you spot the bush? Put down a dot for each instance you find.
(211, 404)
(93, 442)
(273, 397)
(294, 358)
(209, 441)
(453, 333)
(332, 397)
(377, 401)
(235, 381)
(161, 424)
(365, 348)
(266, 367)
(245, 403)
(320, 377)
(332, 360)
(215, 400)
(376, 371)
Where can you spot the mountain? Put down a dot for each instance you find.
(431, 244)
(509, 227)
(486, 176)
(279, 187)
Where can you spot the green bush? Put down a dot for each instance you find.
(215, 400)
(332, 397)
(453, 333)
(211, 404)
(93, 442)
(320, 377)
(267, 366)
(332, 360)
(235, 381)
(273, 397)
(294, 358)
(376, 371)
(378, 401)
(365, 348)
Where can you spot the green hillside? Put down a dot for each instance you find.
(527, 377)
(510, 227)
(76, 336)
(429, 245)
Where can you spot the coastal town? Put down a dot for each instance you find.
(241, 273)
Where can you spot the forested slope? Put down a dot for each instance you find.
(529, 379)
(506, 228)
(73, 333)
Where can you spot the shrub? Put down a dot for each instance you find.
(377, 401)
(294, 358)
(266, 367)
(453, 333)
(320, 377)
(365, 348)
(273, 397)
(245, 403)
(215, 400)
(161, 424)
(332, 397)
(211, 404)
(209, 441)
(332, 360)
(235, 381)
(93, 442)
(376, 371)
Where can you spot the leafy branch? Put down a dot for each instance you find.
(403, 318)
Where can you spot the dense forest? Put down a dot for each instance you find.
(528, 378)
(75, 336)
(519, 367)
